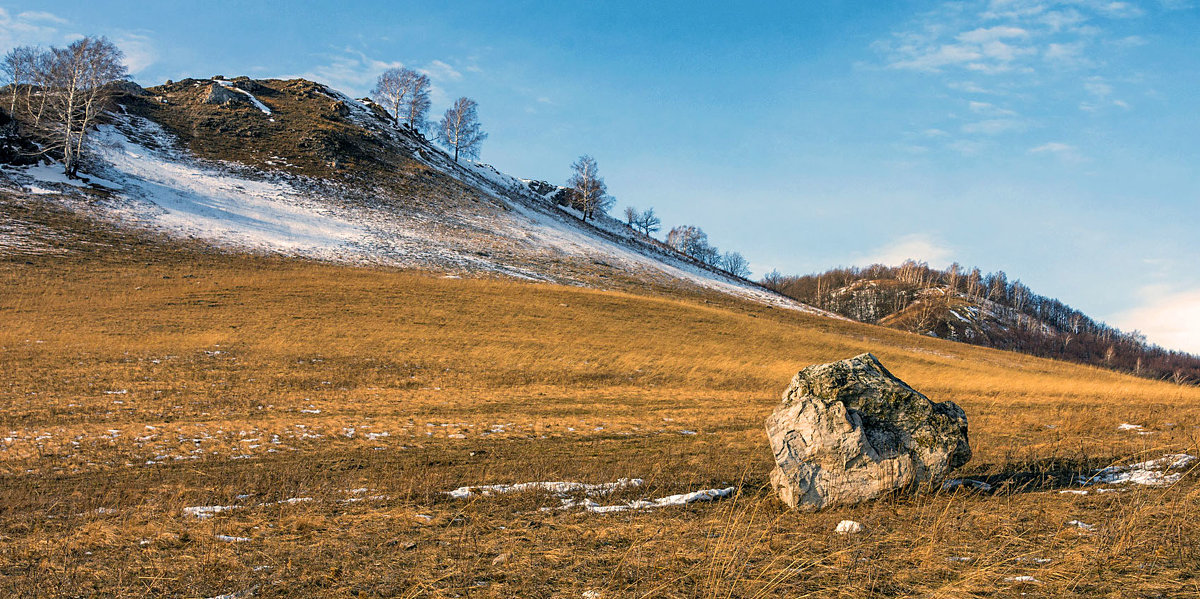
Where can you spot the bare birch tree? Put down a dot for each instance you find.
(79, 79)
(18, 67)
(459, 129)
(405, 94)
(589, 191)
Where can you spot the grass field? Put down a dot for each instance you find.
(335, 406)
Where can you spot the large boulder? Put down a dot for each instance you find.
(849, 431)
(223, 96)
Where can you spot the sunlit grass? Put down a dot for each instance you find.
(249, 381)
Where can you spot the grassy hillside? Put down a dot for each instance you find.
(141, 381)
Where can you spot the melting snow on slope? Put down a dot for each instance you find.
(168, 190)
(558, 230)
(202, 202)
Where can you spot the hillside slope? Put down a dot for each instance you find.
(295, 168)
(325, 413)
(984, 310)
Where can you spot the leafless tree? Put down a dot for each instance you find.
(735, 264)
(80, 79)
(18, 67)
(460, 130)
(647, 222)
(631, 216)
(405, 93)
(693, 241)
(590, 194)
(72, 85)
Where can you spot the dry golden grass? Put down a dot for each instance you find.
(132, 389)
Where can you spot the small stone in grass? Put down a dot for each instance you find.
(848, 527)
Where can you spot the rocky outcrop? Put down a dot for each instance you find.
(849, 431)
(15, 149)
(223, 96)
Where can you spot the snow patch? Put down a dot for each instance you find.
(259, 105)
(646, 504)
(207, 511)
(556, 488)
(1154, 473)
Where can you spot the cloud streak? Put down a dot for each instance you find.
(1016, 50)
(917, 246)
(1170, 319)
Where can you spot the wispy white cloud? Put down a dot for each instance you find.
(1120, 10)
(985, 35)
(1097, 87)
(32, 28)
(1130, 41)
(1060, 20)
(917, 246)
(1176, 4)
(350, 71)
(967, 147)
(41, 28)
(1067, 55)
(989, 109)
(994, 126)
(1052, 147)
(1028, 52)
(39, 15)
(139, 51)
(1063, 151)
(440, 71)
(971, 87)
(1170, 318)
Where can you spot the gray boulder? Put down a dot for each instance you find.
(849, 431)
(223, 96)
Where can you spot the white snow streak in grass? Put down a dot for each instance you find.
(237, 595)
(646, 504)
(1155, 473)
(292, 500)
(1023, 579)
(557, 488)
(593, 490)
(229, 539)
(1082, 525)
(207, 511)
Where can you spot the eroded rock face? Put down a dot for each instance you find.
(223, 96)
(849, 431)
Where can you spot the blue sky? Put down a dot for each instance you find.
(1054, 140)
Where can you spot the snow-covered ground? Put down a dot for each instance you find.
(157, 186)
